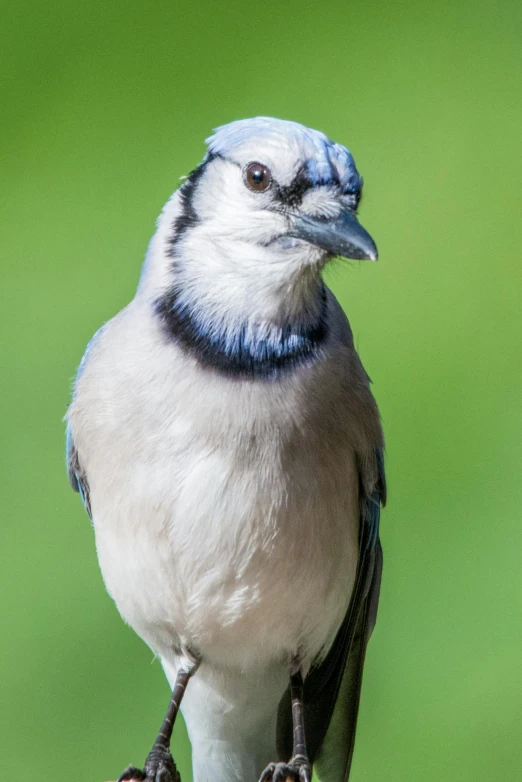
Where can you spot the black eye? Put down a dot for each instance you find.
(258, 177)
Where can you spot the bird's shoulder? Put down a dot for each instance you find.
(358, 406)
(97, 381)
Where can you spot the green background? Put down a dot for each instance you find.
(104, 105)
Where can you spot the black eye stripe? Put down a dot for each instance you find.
(292, 194)
(287, 195)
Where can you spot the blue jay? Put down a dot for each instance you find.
(225, 442)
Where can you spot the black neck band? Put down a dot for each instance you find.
(238, 351)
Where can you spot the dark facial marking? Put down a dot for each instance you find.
(354, 194)
(188, 217)
(291, 195)
(357, 194)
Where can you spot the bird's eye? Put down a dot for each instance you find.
(258, 177)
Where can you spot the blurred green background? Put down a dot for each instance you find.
(104, 107)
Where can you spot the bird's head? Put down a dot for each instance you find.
(283, 186)
(246, 235)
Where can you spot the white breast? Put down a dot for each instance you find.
(226, 514)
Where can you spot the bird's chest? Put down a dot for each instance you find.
(231, 531)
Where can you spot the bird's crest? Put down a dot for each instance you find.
(326, 161)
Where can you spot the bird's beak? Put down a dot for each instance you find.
(343, 235)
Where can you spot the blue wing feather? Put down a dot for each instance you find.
(77, 477)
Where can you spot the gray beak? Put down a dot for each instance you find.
(343, 235)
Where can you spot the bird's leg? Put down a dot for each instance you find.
(298, 768)
(160, 766)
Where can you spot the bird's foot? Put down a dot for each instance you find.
(131, 774)
(297, 769)
(159, 767)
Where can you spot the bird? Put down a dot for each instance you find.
(228, 449)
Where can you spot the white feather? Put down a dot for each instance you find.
(226, 511)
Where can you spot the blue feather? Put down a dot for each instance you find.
(326, 161)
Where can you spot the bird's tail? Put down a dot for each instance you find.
(221, 761)
(231, 720)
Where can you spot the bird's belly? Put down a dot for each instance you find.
(234, 561)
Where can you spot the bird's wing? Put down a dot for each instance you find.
(77, 476)
(332, 689)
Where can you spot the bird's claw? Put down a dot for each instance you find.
(297, 769)
(159, 767)
(131, 774)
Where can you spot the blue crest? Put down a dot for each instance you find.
(326, 162)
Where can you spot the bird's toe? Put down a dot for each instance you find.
(268, 773)
(296, 770)
(160, 766)
(305, 773)
(132, 774)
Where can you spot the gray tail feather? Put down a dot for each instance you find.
(334, 759)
